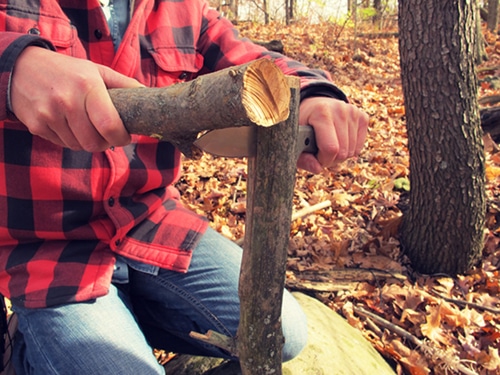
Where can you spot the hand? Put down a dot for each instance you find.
(65, 100)
(340, 130)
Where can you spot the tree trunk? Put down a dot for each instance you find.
(492, 15)
(443, 228)
(270, 189)
(236, 6)
(265, 9)
(287, 12)
(377, 4)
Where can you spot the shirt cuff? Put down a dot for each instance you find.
(7, 63)
(326, 90)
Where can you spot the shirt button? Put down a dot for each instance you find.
(98, 33)
(183, 75)
(111, 202)
(34, 31)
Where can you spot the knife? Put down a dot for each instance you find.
(237, 142)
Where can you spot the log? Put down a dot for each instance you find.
(270, 189)
(248, 94)
(338, 279)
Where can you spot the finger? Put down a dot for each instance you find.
(328, 140)
(54, 128)
(363, 122)
(89, 139)
(113, 79)
(105, 118)
(309, 162)
(51, 136)
(353, 129)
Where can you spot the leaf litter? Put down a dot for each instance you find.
(346, 253)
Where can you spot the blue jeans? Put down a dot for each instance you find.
(115, 334)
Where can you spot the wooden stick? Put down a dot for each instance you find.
(252, 93)
(217, 339)
(310, 209)
(270, 188)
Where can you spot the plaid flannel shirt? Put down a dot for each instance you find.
(66, 214)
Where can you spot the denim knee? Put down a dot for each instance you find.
(294, 326)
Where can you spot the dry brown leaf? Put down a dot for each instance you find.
(432, 329)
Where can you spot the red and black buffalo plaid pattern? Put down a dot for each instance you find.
(65, 214)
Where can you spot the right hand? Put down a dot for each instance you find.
(65, 100)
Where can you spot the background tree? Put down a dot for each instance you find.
(480, 54)
(492, 15)
(442, 230)
(289, 11)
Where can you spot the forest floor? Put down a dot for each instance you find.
(347, 254)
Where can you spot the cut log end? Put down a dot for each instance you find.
(266, 95)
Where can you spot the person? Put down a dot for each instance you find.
(100, 260)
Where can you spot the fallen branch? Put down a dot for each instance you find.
(426, 348)
(379, 35)
(338, 279)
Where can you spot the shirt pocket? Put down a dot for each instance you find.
(175, 64)
(54, 28)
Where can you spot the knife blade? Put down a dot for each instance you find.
(237, 142)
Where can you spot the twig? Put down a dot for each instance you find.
(217, 339)
(450, 362)
(310, 209)
(388, 325)
(463, 303)
(489, 99)
(488, 68)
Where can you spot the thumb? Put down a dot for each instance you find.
(113, 79)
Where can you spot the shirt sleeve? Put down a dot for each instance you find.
(11, 46)
(222, 47)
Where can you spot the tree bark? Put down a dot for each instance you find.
(443, 228)
(252, 93)
(267, 231)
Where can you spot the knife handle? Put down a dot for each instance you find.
(307, 140)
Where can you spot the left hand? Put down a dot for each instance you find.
(340, 130)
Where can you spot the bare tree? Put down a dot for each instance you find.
(289, 10)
